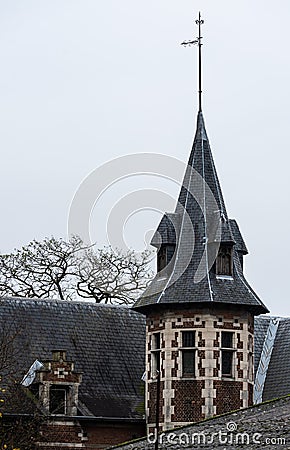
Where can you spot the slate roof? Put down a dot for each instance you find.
(278, 376)
(105, 342)
(165, 233)
(265, 426)
(200, 218)
(261, 327)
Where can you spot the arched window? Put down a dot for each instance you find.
(164, 256)
(224, 260)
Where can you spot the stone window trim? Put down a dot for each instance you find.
(228, 351)
(188, 347)
(58, 399)
(251, 366)
(155, 355)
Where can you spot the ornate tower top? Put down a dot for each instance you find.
(200, 250)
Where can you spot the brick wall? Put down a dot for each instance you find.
(60, 432)
(152, 388)
(188, 400)
(206, 393)
(104, 436)
(88, 434)
(227, 395)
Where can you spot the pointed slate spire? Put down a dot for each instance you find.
(198, 229)
(201, 163)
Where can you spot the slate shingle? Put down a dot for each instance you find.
(105, 342)
(199, 212)
(265, 426)
(278, 377)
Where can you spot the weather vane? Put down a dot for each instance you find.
(197, 41)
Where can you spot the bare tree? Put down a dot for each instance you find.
(41, 269)
(20, 418)
(54, 268)
(111, 276)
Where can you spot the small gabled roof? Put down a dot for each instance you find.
(198, 225)
(165, 233)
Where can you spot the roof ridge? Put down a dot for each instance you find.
(64, 302)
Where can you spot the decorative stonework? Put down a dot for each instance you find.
(58, 383)
(185, 399)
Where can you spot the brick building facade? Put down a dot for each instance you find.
(205, 390)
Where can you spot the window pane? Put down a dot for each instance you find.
(161, 258)
(155, 363)
(156, 341)
(188, 362)
(188, 339)
(170, 252)
(227, 339)
(227, 361)
(164, 256)
(57, 400)
(224, 261)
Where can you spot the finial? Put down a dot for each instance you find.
(198, 22)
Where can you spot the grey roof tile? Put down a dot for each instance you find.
(261, 327)
(265, 426)
(105, 342)
(278, 377)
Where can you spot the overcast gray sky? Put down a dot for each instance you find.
(84, 81)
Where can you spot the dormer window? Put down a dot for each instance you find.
(164, 256)
(224, 261)
(58, 384)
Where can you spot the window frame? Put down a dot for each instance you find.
(188, 349)
(165, 255)
(59, 388)
(227, 350)
(155, 354)
(224, 251)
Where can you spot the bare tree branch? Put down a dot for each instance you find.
(54, 268)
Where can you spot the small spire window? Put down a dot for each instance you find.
(224, 261)
(164, 256)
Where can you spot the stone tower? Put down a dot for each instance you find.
(199, 308)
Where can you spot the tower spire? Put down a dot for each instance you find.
(197, 41)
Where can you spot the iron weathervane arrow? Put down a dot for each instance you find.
(197, 41)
